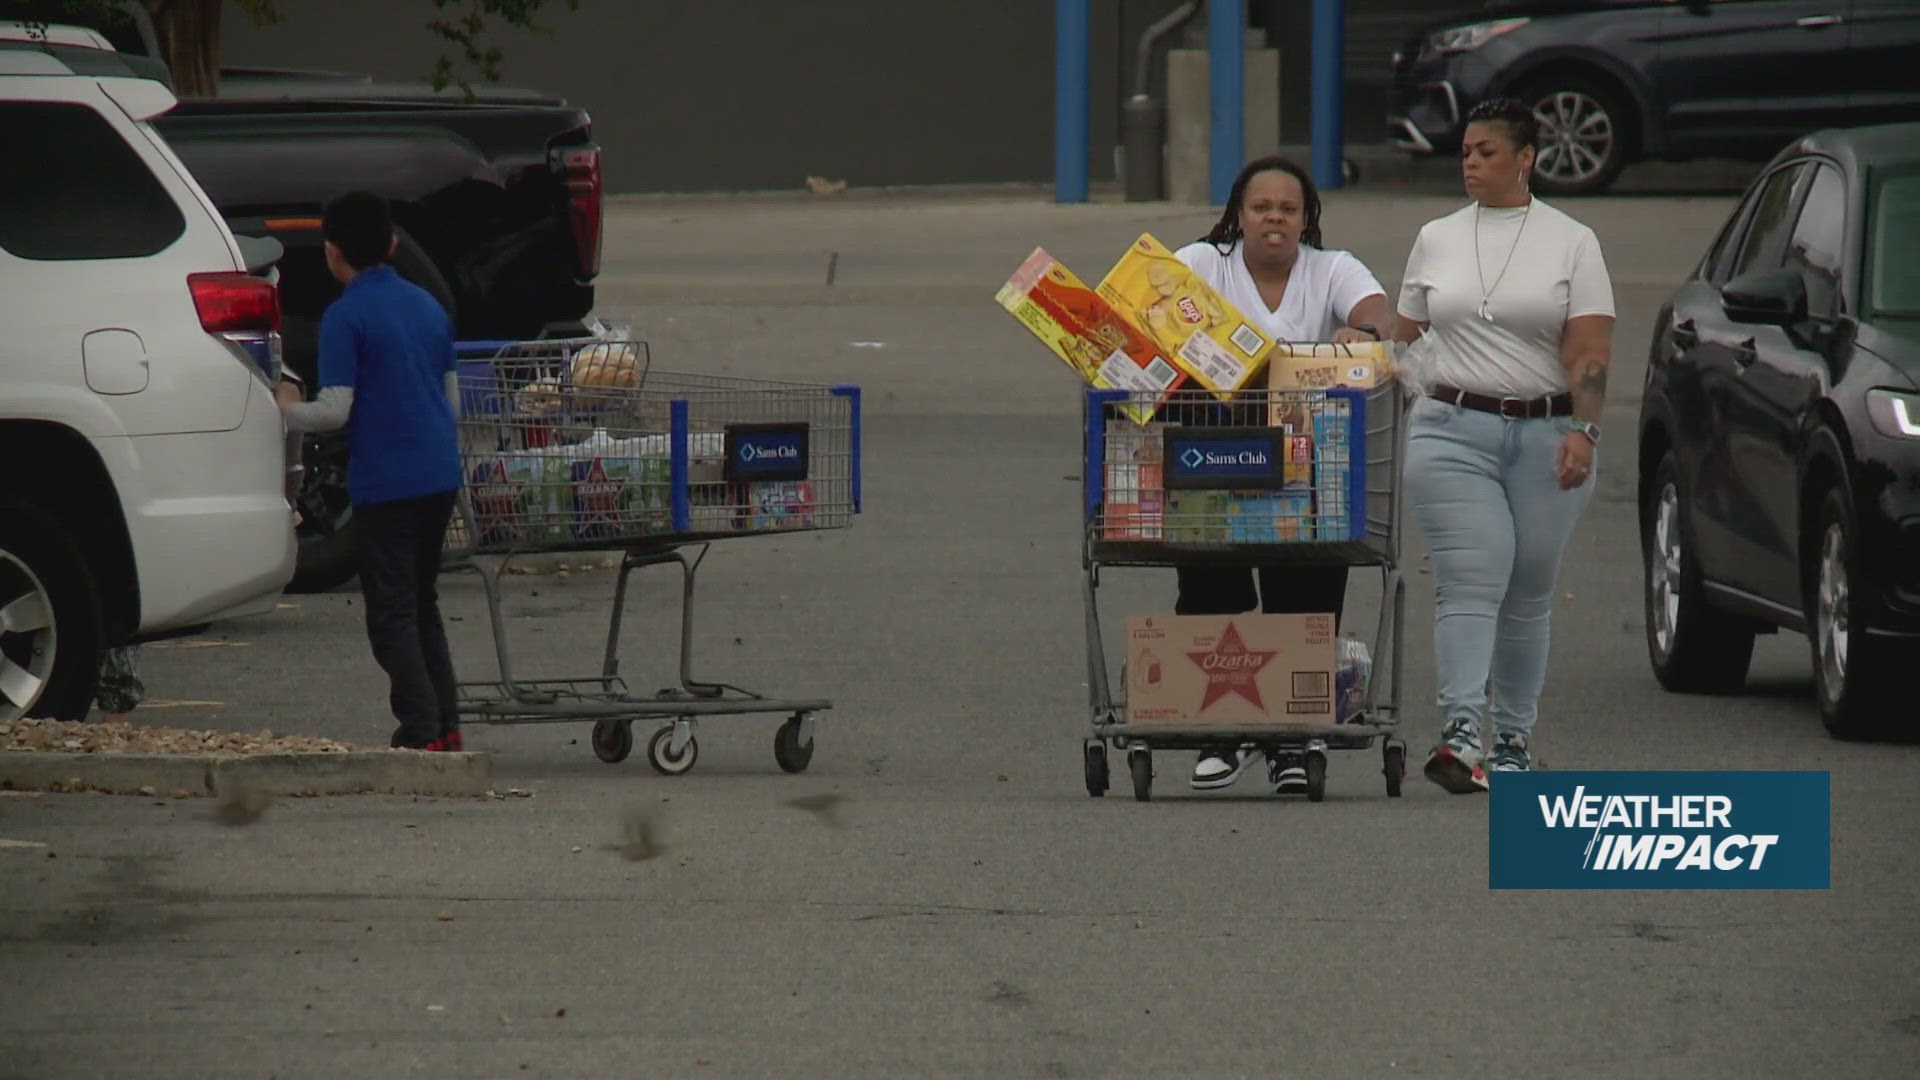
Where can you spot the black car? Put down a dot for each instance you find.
(1617, 81)
(1779, 460)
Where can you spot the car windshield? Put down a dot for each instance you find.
(1893, 247)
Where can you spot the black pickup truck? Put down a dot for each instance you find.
(498, 208)
(498, 202)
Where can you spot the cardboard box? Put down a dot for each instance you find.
(1230, 669)
(1085, 332)
(1207, 336)
(1322, 366)
(1332, 481)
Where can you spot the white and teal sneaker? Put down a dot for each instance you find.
(1510, 753)
(1455, 763)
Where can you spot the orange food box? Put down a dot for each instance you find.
(1084, 330)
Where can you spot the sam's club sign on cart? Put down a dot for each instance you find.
(1659, 830)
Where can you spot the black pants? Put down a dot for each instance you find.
(399, 547)
(1289, 590)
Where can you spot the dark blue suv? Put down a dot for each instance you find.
(1779, 458)
(1618, 81)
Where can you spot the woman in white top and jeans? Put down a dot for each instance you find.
(1514, 301)
(1264, 257)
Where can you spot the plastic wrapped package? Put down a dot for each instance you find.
(1354, 667)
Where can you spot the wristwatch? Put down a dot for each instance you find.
(1588, 428)
(1368, 329)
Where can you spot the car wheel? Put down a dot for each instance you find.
(1694, 648)
(1850, 670)
(50, 627)
(1583, 135)
(327, 559)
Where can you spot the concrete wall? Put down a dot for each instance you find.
(735, 95)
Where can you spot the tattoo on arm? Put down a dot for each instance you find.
(1590, 388)
(1586, 350)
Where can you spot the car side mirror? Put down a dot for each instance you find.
(1767, 297)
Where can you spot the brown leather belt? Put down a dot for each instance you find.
(1510, 407)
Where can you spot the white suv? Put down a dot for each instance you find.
(142, 459)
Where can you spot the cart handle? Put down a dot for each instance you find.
(852, 394)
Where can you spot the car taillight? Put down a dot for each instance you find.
(581, 169)
(244, 311)
(234, 303)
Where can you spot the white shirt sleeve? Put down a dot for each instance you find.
(1413, 284)
(1349, 282)
(328, 411)
(1589, 289)
(1205, 260)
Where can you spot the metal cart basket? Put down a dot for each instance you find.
(577, 445)
(1349, 515)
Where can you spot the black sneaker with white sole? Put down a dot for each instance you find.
(1220, 768)
(1287, 772)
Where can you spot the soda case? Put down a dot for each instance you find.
(1135, 493)
(778, 504)
(1199, 516)
(1207, 336)
(1332, 462)
(1084, 330)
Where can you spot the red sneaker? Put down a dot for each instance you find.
(450, 742)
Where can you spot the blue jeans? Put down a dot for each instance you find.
(1496, 520)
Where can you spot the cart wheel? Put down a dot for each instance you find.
(1141, 764)
(1394, 765)
(1316, 776)
(612, 740)
(659, 747)
(787, 750)
(1096, 756)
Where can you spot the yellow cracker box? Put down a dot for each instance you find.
(1082, 329)
(1205, 334)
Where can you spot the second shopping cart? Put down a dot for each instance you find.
(577, 445)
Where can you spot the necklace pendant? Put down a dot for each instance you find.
(1484, 313)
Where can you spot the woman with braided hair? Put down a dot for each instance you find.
(1264, 256)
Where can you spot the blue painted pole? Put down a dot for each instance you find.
(1329, 77)
(1227, 107)
(1072, 99)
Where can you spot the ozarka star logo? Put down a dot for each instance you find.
(1231, 668)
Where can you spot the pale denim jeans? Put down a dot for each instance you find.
(1496, 520)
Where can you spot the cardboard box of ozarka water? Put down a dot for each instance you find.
(1230, 669)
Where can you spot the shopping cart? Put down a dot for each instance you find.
(1349, 516)
(577, 445)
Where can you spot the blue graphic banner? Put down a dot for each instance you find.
(1240, 459)
(1659, 830)
(766, 452)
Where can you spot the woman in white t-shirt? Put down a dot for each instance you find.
(1511, 305)
(1264, 256)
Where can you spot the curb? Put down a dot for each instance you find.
(381, 772)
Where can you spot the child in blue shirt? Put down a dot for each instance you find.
(387, 376)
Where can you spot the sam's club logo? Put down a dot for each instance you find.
(752, 452)
(1659, 830)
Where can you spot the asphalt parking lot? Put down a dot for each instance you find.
(963, 908)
